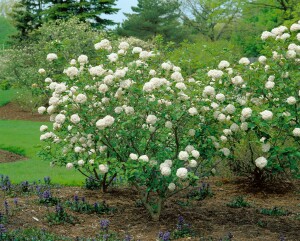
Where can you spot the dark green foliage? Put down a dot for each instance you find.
(26, 16)
(239, 202)
(154, 17)
(90, 10)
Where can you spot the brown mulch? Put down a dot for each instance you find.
(6, 156)
(210, 218)
(12, 111)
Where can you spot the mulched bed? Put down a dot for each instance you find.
(12, 111)
(210, 218)
(6, 156)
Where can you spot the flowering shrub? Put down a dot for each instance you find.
(261, 133)
(133, 116)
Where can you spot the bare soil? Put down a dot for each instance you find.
(12, 111)
(6, 156)
(210, 218)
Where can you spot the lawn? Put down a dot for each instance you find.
(6, 96)
(25, 135)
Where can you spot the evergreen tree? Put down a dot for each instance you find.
(154, 17)
(84, 10)
(26, 16)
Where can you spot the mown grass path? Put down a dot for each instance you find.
(25, 135)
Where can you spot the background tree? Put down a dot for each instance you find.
(84, 10)
(6, 7)
(154, 17)
(211, 18)
(26, 16)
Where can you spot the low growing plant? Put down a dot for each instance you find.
(204, 191)
(239, 202)
(60, 216)
(275, 211)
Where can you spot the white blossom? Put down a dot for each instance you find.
(51, 57)
(151, 119)
(266, 115)
(182, 173)
(103, 168)
(183, 155)
(261, 162)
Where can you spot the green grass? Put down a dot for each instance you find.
(24, 135)
(6, 96)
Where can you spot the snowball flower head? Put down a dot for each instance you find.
(261, 162)
(75, 119)
(266, 34)
(262, 59)
(124, 45)
(165, 171)
(42, 110)
(193, 111)
(246, 112)
(291, 100)
(244, 61)
(266, 115)
(104, 44)
(296, 132)
(269, 85)
(180, 86)
(83, 59)
(183, 155)
(151, 119)
(69, 165)
(81, 98)
(42, 71)
(144, 158)
(182, 173)
(43, 128)
(60, 119)
(195, 153)
(215, 73)
(172, 186)
(208, 90)
(193, 163)
(105, 122)
(223, 64)
(133, 156)
(80, 163)
(295, 27)
(220, 97)
(72, 72)
(113, 57)
(103, 168)
(51, 57)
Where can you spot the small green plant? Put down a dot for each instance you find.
(82, 206)
(92, 184)
(46, 198)
(261, 224)
(275, 211)
(201, 193)
(182, 230)
(60, 216)
(238, 202)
